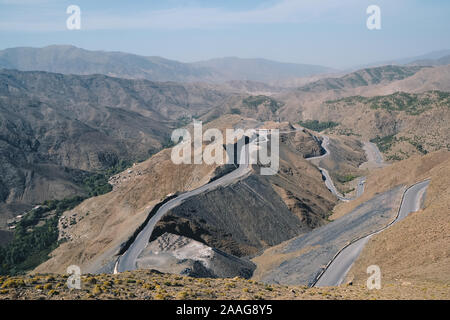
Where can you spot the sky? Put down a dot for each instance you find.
(332, 33)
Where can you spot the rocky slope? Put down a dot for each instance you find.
(401, 124)
(412, 253)
(181, 255)
(105, 223)
(404, 107)
(56, 129)
(299, 260)
(239, 222)
(416, 250)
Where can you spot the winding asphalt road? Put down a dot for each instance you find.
(338, 268)
(127, 261)
(361, 181)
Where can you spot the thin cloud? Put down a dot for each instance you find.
(284, 11)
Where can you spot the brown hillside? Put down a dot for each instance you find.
(416, 250)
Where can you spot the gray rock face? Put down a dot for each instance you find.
(177, 254)
(238, 220)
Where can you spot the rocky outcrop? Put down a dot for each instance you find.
(177, 254)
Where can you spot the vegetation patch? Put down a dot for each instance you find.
(410, 103)
(36, 234)
(384, 143)
(34, 237)
(345, 178)
(317, 125)
(416, 143)
(255, 101)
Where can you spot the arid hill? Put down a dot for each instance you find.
(416, 250)
(56, 129)
(403, 109)
(401, 124)
(103, 224)
(413, 253)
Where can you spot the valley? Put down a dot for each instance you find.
(87, 174)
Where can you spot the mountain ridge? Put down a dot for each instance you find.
(69, 59)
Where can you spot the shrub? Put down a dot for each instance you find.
(13, 283)
(97, 290)
(53, 292)
(47, 286)
(107, 283)
(160, 296)
(50, 278)
(91, 280)
(230, 285)
(182, 295)
(148, 286)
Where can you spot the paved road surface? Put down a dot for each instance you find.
(127, 261)
(329, 182)
(337, 270)
(330, 185)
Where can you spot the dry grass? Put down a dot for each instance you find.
(148, 285)
(415, 251)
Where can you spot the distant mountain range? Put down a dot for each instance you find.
(435, 58)
(73, 60)
(264, 70)
(67, 59)
(429, 59)
(362, 78)
(443, 61)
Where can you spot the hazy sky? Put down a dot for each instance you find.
(326, 32)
